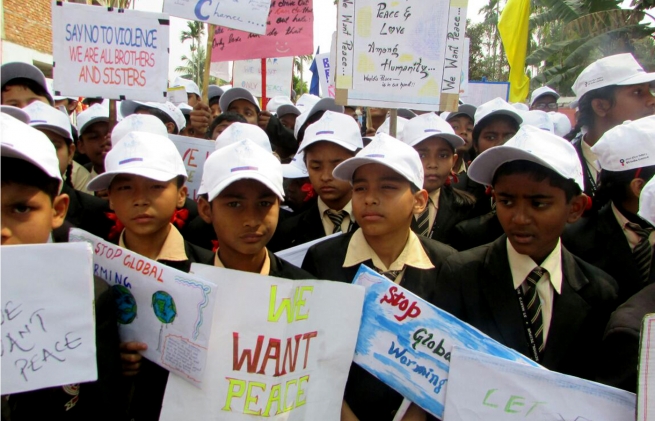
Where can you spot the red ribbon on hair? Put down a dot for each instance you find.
(214, 246)
(116, 229)
(309, 191)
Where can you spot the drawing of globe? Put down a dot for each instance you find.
(164, 306)
(125, 304)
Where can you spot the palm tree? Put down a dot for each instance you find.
(194, 66)
(299, 67)
(194, 34)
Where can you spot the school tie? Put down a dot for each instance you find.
(336, 218)
(423, 221)
(390, 274)
(643, 251)
(533, 307)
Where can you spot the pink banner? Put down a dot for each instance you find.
(289, 32)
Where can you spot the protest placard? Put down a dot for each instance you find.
(406, 342)
(479, 92)
(295, 255)
(279, 350)
(464, 82)
(400, 54)
(109, 53)
(646, 391)
(177, 95)
(194, 152)
(245, 15)
(48, 329)
(483, 387)
(324, 77)
(248, 75)
(289, 32)
(171, 311)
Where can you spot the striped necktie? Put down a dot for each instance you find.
(643, 251)
(533, 307)
(423, 221)
(390, 274)
(336, 218)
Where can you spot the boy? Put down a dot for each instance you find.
(244, 191)
(387, 180)
(31, 207)
(214, 95)
(609, 91)
(95, 137)
(462, 123)
(22, 84)
(167, 112)
(436, 142)
(145, 179)
(328, 142)
(616, 239)
(544, 99)
(222, 122)
(525, 290)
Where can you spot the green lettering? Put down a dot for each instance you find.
(513, 401)
(489, 393)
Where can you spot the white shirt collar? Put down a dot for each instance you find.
(521, 265)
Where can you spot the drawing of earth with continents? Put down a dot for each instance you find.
(125, 304)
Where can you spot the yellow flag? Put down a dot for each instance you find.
(513, 27)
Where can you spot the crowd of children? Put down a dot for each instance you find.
(490, 213)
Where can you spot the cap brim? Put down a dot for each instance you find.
(327, 138)
(325, 104)
(452, 139)
(103, 181)
(508, 113)
(291, 171)
(232, 95)
(92, 121)
(16, 113)
(638, 79)
(346, 169)
(56, 129)
(9, 152)
(483, 168)
(244, 175)
(285, 109)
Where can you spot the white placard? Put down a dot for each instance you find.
(245, 15)
(646, 392)
(177, 95)
(324, 76)
(109, 53)
(171, 311)
(248, 75)
(480, 92)
(279, 350)
(48, 329)
(482, 387)
(463, 84)
(194, 152)
(401, 54)
(296, 255)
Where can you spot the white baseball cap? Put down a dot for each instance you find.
(619, 69)
(428, 125)
(534, 145)
(325, 104)
(386, 127)
(21, 141)
(496, 106)
(190, 86)
(21, 70)
(463, 109)
(239, 161)
(628, 146)
(337, 128)
(647, 202)
(43, 116)
(544, 90)
(520, 107)
(16, 113)
(306, 102)
(539, 119)
(93, 114)
(234, 94)
(561, 122)
(275, 103)
(214, 91)
(129, 107)
(144, 154)
(296, 168)
(285, 109)
(388, 151)
(237, 132)
(138, 123)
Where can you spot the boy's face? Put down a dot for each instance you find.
(288, 121)
(65, 151)
(95, 142)
(533, 214)
(143, 205)
(321, 158)
(545, 103)
(28, 214)
(463, 126)
(215, 109)
(438, 159)
(20, 96)
(244, 217)
(383, 202)
(496, 133)
(244, 108)
(631, 102)
(220, 128)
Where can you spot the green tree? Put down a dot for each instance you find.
(194, 65)
(194, 32)
(300, 86)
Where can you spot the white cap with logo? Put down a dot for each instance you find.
(428, 125)
(138, 123)
(277, 101)
(496, 106)
(539, 119)
(541, 91)
(240, 161)
(236, 132)
(337, 128)
(647, 202)
(234, 94)
(387, 151)
(129, 107)
(619, 69)
(43, 116)
(94, 114)
(534, 145)
(21, 141)
(190, 86)
(628, 146)
(145, 154)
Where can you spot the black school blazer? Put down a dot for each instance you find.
(476, 286)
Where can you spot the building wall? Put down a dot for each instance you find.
(28, 23)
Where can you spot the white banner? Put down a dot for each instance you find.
(245, 15)
(248, 75)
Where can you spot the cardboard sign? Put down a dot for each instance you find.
(194, 153)
(406, 342)
(48, 328)
(109, 53)
(246, 15)
(169, 310)
(483, 387)
(248, 75)
(324, 76)
(646, 391)
(279, 350)
(401, 54)
(289, 32)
